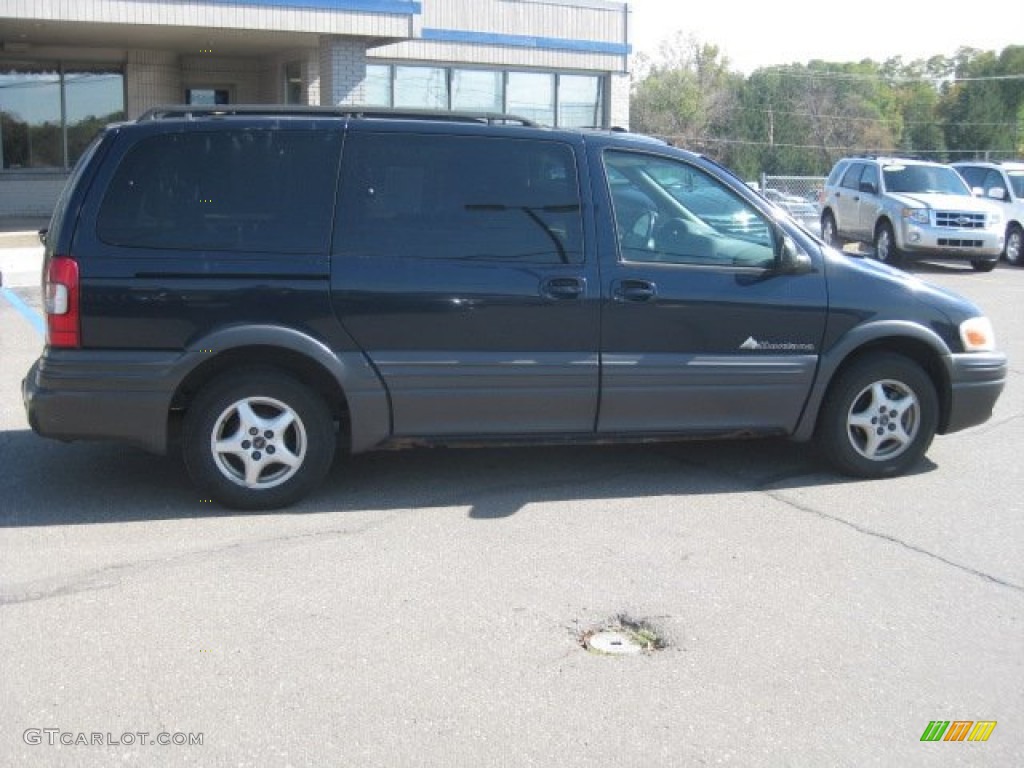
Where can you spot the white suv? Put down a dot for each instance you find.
(910, 208)
(1003, 182)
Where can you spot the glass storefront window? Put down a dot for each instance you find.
(531, 95)
(34, 133)
(30, 124)
(477, 90)
(579, 101)
(378, 85)
(579, 104)
(421, 87)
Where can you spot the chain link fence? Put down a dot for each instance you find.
(800, 195)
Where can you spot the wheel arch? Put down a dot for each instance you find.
(914, 342)
(348, 385)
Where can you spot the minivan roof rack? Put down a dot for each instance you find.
(193, 112)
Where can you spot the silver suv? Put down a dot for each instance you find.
(1003, 182)
(910, 208)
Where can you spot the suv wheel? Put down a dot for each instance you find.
(879, 417)
(982, 265)
(257, 440)
(1014, 245)
(829, 233)
(885, 244)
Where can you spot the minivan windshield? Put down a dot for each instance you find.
(934, 179)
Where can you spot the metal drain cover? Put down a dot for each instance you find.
(613, 641)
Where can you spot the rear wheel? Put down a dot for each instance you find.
(257, 440)
(1014, 237)
(829, 233)
(885, 244)
(879, 418)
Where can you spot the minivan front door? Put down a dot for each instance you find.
(700, 334)
(459, 269)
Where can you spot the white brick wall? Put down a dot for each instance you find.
(151, 78)
(342, 71)
(618, 102)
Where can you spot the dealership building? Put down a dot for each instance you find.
(67, 67)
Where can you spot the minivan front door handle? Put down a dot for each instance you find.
(562, 288)
(634, 290)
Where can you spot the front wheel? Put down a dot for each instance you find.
(1013, 246)
(257, 439)
(885, 244)
(879, 417)
(984, 265)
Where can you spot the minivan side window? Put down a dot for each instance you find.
(474, 198)
(259, 191)
(671, 212)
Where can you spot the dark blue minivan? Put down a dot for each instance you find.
(262, 286)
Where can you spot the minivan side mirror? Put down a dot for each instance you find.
(869, 187)
(790, 258)
(997, 193)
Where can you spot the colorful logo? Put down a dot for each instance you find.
(958, 730)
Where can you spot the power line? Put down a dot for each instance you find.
(811, 74)
(684, 141)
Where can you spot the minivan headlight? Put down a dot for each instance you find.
(978, 335)
(918, 215)
(995, 218)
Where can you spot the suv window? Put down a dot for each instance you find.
(459, 197)
(851, 179)
(226, 190)
(1016, 179)
(671, 212)
(973, 175)
(994, 180)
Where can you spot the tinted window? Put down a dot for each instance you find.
(231, 190)
(670, 212)
(447, 197)
(851, 179)
(994, 180)
(871, 176)
(972, 175)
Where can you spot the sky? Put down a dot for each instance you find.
(756, 33)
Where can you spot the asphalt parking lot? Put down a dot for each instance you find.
(426, 608)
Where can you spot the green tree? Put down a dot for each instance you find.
(688, 95)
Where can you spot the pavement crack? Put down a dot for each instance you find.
(109, 577)
(893, 540)
(763, 486)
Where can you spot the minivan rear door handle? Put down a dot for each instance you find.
(562, 288)
(634, 290)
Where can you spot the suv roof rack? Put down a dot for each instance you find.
(193, 112)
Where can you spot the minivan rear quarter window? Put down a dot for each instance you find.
(464, 198)
(229, 190)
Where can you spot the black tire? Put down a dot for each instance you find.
(879, 417)
(1014, 243)
(829, 232)
(984, 265)
(268, 468)
(885, 245)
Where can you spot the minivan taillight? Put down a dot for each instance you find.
(60, 297)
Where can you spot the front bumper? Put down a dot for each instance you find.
(947, 243)
(976, 381)
(74, 396)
